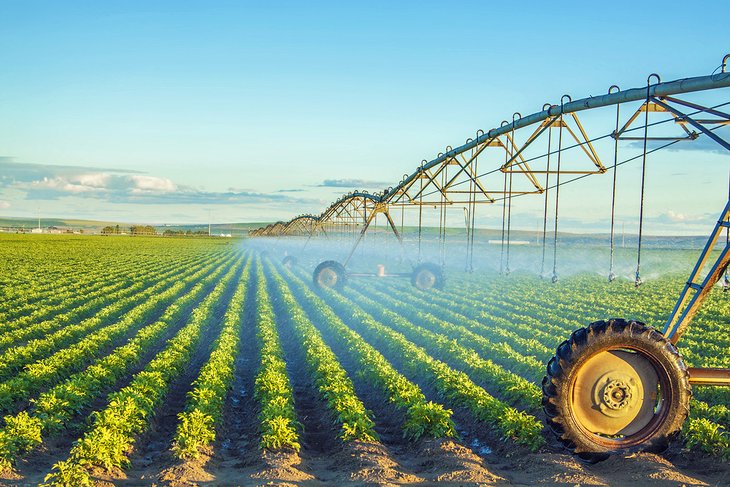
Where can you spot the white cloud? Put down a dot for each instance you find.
(41, 182)
(66, 185)
(93, 180)
(4, 205)
(676, 217)
(100, 183)
(152, 184)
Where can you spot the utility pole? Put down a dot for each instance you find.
(209, 221)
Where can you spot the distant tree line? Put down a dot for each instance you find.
(150, 230)
(142, 230)
(111, 230)
(185, 233)
(133, 230)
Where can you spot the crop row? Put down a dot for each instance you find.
(84, 280)
(470, 333)
(38, 268)
(54, 410)
(99, 304)
(451, 384)
(518, 335)
(706, 427)
(272, 388)
(36, 301)
(334, 385)
(125, 312)
(544, 304)
(422, 418)
(499, 381)
(99, 283)
(67, 360)
(113, 430)
(197, 424)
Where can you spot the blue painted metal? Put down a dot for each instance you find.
(686, 307)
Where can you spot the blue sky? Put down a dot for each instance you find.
(253, 111)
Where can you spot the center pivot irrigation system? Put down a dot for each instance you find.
(615, 385)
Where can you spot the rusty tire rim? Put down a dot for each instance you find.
(619, 398)
(425, 279)
(327, 277)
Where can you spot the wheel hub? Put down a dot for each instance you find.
(327, 278)
(615, 393)
(425, 279)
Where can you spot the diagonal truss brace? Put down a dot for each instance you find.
(518, 164)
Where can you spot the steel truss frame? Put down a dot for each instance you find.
(446, 175)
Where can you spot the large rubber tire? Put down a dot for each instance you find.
(427, 276)
(601, 355)
(330, 274)
(289, 261)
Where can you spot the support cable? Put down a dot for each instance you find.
(504, 217)
(611, 273)
(420, 212)
(402, 219)
(442, 219)
(512, 152)
(509, 223)
(637, 279)
(554, 278)
(545, 202)
(468, 221)
(474, 206)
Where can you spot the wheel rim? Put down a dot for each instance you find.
(617, 399)
(425, 279)
(327, 277)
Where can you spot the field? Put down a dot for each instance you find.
(140, 361)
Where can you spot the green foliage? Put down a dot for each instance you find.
(706, 436)
(113, 431)
(404, 394)
(195, 430)
(454, 385)
(272, 389)
(65, 303)
(333, 383)
(20, 434)
(428, 420)
(204, 407)
(55, 409)
(278, 433)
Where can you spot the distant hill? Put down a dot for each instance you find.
(11, 224)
